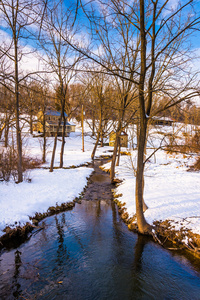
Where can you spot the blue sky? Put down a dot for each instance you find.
(172, 4)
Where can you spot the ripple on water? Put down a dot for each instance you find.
(88, 253)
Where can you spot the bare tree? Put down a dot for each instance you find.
(97, 104)
(60, 60)
(17, 17)
(44, 105)
(161, 69)
(7, 109)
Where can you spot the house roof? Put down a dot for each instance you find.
(55, 113)
(122, 133)
(56, 123)
(72, 124)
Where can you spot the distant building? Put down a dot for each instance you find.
(162, 121)
(73, 126)
(123, 139)
(51, 123)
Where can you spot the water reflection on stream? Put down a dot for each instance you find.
(88, 253)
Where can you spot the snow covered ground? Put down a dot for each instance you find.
(19, 201)
(170, 191)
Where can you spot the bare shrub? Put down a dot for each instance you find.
(196, 166)
(8, 164)
(190, 144)
(195, 142)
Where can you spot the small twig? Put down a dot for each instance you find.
(156, 238)
(193, 247)
(165, 240)
(176, 249)
(39, 229)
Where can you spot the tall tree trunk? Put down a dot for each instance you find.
(113, 162)
(6, 132)
(63, 94)
(101, 135)
(82, 125)
(143, 226)
(18, 130)
(116, 145)
(119, 150)
(44, 139)
(138, 131)
(44, 149)
(63, 139)
(93, 123)
(31, 120)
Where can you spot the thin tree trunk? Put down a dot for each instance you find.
(63, 94)
(118, 154)
(82, 125)
(93, 123)
(6, 132)
(44, 139)
(44, 149)
(112, 169)
(95, 146)
(54, 146)
(101, 135)
(98, 135)
(116, 145)
(63, 139)
(31, 121)
(18, 130)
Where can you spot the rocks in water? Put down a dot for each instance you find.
(15, 235)
(60, 208)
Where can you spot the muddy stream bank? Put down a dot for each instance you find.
(89, 253)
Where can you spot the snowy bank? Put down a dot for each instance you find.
(171, 192)
(19, 201)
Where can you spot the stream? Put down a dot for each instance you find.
(88, 253)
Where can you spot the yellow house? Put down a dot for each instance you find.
(123, 139)
(51, 123)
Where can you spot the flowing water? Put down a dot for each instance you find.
(88, 253)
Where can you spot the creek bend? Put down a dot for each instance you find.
(89, 253)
